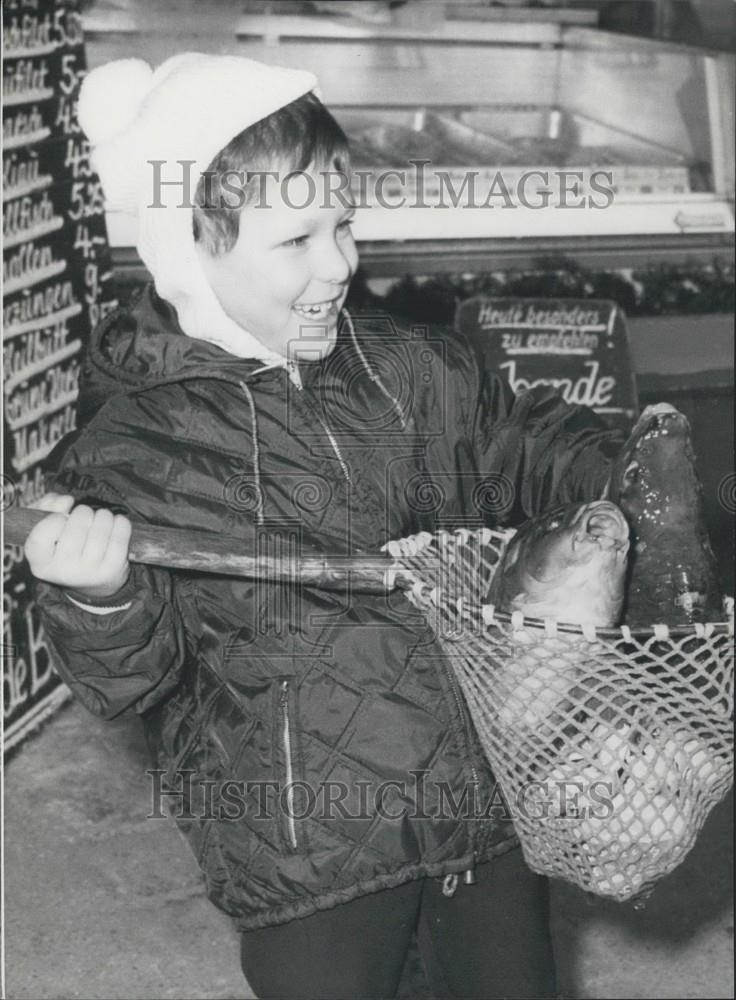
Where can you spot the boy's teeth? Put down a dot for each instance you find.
(315, 311)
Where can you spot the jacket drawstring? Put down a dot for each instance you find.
(256, 452)
(373, 375)
(449, 884)
(336, 449)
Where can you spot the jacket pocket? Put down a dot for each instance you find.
(288, 765)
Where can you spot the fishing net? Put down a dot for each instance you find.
(611, 746)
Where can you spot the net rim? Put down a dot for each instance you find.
(660, 631)
(412, 544)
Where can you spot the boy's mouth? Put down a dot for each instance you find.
(315, 310)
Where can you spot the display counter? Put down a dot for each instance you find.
(480, 140)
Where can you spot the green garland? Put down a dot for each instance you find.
(659, 290)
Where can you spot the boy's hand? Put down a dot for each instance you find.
(86, 550)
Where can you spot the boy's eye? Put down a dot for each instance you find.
(296, 241)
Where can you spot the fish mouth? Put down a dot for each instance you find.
(602, 525)
(658, 424)
(660, 420)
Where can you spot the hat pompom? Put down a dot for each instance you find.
(110, 98)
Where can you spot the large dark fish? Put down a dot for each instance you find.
(673, 577)
(568, 565)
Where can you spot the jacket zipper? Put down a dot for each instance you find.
(286, 737)
(469, 873)
(337, 451)
(296, 380)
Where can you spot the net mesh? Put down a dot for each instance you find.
(611, 746)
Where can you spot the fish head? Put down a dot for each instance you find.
(654, 481)
(568, 564)
(673, 574)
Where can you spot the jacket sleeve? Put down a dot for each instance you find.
(542, 450)
(124, 659)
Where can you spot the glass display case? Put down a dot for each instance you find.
(489, 138)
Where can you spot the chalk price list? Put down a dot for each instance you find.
(57, 287)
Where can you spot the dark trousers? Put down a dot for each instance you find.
(489, 940)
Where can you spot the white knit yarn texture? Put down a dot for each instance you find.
(188, 109)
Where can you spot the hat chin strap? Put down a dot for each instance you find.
(200, 314)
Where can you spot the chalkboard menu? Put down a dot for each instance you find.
(56, 271)
(578, 346)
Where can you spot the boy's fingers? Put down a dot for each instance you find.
(41, 543)
(71, 543)
(120, 536)
(98, 536)
(116, 556)
(118, 539)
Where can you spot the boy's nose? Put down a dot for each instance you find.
(334, 265)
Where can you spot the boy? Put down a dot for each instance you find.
(240, 397)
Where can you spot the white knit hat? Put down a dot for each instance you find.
(188, 109)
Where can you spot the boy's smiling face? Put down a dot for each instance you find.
(287, 276)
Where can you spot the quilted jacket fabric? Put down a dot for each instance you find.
(315, 741)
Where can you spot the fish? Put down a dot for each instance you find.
(568, 564)
(673, 575)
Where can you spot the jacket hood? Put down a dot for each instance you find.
(143, 345)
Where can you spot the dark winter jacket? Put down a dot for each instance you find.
(277, 712)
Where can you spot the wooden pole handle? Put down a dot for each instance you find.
(210, 552)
